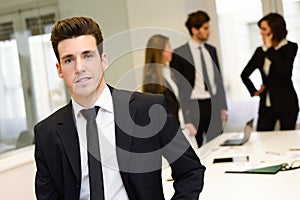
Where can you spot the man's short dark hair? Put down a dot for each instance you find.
(196, 19)
(74, 27)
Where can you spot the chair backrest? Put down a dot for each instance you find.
(25, 138)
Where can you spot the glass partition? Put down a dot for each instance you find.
(291, 9)
(12, 105)
(29, 87)
(239, 37)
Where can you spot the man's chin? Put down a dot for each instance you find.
(84, 93)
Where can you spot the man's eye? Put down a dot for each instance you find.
(89, 55)
(68, 60)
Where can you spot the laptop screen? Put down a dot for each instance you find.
(247, 130)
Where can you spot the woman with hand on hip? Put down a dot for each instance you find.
(274, 60)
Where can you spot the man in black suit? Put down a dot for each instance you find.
(206, 88)
(134, 131)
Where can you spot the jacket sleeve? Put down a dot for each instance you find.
(44, 186)
(221, 95)
(187, 171)
(284, 56)
(254, 63)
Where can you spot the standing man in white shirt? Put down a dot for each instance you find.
(198, 64)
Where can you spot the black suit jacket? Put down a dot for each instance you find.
(279, 81)
(183, 63)
(57, 152)
(172, 102)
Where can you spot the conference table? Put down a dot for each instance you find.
(263, 149)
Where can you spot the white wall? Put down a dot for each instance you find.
(17, 171)
(146, 18)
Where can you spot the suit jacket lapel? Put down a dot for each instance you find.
(68, 134)
(124, 113)
(188, 54)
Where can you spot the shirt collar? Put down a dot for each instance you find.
(104, 102)
(194, 44)
(280, 44)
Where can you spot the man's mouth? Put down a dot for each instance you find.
(83, 79)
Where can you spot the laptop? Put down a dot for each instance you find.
(236, 142)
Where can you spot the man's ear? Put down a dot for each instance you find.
(58, 67)
(194, 30)
(104, 61)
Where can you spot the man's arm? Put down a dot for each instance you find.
(44, 186)
(187, 171)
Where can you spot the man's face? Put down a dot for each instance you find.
(202, 34)
(81, 66)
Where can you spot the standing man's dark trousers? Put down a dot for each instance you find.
(209, 122)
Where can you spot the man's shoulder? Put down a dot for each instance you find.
(59, 114)
(209, 46)
(182, 48)
(137, 96)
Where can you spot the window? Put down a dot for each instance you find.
(291, 10)
(29, 86)
(239, 37)
(6, 29)
(12, 105)
(37, 25)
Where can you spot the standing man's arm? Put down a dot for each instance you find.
(221, 95)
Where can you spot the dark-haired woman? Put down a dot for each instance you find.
(274, 60)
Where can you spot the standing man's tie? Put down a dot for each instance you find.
(95, 168)
(204, 70)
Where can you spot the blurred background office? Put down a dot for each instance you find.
(27, 60)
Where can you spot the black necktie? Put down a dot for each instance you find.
(94, 163)
(204, 70)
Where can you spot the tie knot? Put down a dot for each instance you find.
(90, 114)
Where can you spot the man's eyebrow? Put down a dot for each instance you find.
(66, 56)
(89, 51)
(84, 52)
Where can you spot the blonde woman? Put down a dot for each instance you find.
(158, 79)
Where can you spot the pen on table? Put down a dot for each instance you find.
(274, 153)
(231, 159)
(294, 149)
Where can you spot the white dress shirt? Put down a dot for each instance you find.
(167, 75)
(199, 91)
(112, 181)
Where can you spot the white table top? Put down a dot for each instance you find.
(263, 147)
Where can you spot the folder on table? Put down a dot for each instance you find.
(273, 169)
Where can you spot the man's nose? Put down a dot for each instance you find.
(79, 65)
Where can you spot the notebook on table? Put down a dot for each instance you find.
(264, 169)
(247, 132)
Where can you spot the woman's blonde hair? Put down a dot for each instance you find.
(153, 80)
